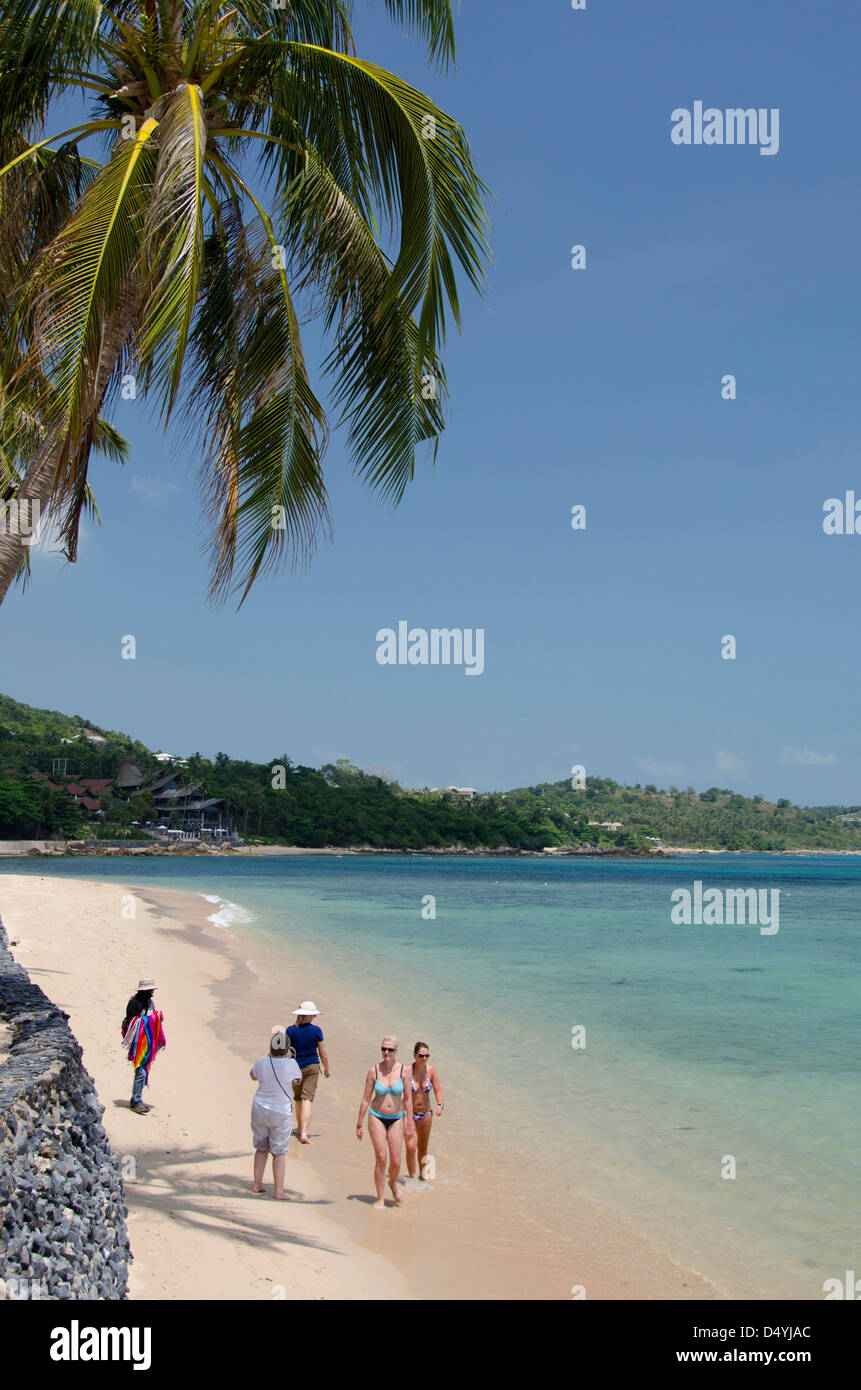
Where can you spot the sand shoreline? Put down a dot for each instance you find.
(196, 1229)
(22, 849)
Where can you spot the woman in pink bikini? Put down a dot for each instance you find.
(424, 1079)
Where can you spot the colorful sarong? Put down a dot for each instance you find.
(145, 1036)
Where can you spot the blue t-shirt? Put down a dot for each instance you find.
(305, 1040)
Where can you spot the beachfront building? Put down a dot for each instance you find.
(186, 807)
(172, 804)
(86, 791)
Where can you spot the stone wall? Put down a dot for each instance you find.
(62, 1212)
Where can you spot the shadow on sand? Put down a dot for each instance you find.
(186, 1195)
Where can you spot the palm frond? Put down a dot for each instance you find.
(85, 272)
(266, 429)
(391, 393)
(36, 38)
(419, 168)
(173, 247)
(433, 20)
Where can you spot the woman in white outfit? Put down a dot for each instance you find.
(272, 1110)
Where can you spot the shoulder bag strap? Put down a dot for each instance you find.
(275, 1074)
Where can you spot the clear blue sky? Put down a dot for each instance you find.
(600, 386)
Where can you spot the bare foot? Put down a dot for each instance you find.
(258, 1189)
(398, 1196)
(283, 1197)
(303, 1139)
(379, 1206)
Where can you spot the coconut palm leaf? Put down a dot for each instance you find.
(173, 249)
(267, 427)
(262, 173)
(38, 38)
(85, 271)
(391, 393)
(425, 179)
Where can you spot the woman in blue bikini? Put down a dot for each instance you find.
(389, 1086)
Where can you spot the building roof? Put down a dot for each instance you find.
(162, 782)
(90, 803)
(179, 793)
(205, 805)
(129, 775)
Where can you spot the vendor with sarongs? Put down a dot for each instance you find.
(143, 1037)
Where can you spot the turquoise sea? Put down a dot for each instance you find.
(708, 1049)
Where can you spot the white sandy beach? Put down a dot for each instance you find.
(196, 1229)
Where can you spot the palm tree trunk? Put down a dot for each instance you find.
(40, 482)
(36, 487)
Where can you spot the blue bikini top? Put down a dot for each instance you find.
(396, 1090)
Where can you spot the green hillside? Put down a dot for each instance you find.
(341, 805)
(48, 726)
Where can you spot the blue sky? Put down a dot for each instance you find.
(599, 386)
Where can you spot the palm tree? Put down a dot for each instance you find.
(256, 171)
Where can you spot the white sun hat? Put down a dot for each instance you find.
(309, 1007)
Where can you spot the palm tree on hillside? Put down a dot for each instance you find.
(241, 168)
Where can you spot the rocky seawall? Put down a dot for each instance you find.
(95, 849)
(62, 1208)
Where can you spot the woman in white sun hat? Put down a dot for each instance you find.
(307, 1040)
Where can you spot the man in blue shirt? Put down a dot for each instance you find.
(307, 1041)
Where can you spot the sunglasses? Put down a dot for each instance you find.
(388, 1049)
(423, 1056)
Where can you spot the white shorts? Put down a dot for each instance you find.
(270, 1129)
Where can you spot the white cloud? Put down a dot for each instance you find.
(805, 757)
(153, 489)
(659, 769)
(730, 762)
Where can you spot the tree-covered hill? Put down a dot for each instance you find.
(341, 805)
(42, 729)
(717, 818)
